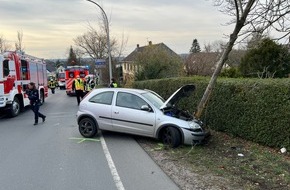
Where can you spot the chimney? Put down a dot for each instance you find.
(150, 43)
(138, 46)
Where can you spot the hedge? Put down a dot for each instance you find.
(253, 109)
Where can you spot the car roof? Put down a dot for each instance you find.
(138, 91)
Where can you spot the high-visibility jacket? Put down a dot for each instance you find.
(79, 84)
(90, 85)
(113, 85)
(51, 84)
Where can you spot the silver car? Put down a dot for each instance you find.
(140, 112)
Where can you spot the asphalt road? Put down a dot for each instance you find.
(53, 155)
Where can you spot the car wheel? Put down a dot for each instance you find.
(171, 137)
(87, 127)
(15, 107)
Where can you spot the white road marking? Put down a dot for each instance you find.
(111, 164)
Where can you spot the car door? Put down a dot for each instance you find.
(128, 117)
(100, 105)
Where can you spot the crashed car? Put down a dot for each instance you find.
(140, 112)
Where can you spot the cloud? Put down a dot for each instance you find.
(49, 26)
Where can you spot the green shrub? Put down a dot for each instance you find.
(254, 109)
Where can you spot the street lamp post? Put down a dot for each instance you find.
(108, 37)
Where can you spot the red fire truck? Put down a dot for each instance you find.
(17, 69)
(71, 72)
(61, 80)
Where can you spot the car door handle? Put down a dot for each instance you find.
(116, 112)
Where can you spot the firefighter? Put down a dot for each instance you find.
(52, 85)
(33, 96)
(90, 84)
(113, 83)
(78, 87)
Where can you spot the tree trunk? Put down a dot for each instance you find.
(240, 21)
(206, 96)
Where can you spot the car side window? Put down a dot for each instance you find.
(128, 100)
(102, 98)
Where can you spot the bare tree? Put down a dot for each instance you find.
(251, 16)
(93, 42)
(217, 46)
(4, 46)
(201, 63)
(207, 47)
(122, 45)
(18, 44)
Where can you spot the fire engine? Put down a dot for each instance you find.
(71, 72)
(61, 80)
(17, 69)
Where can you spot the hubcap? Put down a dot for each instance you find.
(86, 127)
(15, 107)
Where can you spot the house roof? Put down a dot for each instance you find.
(133, 55)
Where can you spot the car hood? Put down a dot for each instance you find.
(182, 92)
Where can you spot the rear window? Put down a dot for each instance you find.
(102, 98)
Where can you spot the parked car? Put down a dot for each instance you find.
(140, 112)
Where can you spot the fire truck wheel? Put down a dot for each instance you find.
(15, 107)
(87, 128)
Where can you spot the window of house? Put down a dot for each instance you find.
(102, 98)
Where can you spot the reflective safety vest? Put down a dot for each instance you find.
(115, 85)
(51, 84)
(79, 85)
(90, 85)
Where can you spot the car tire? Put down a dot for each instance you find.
(87, 127)
(15, 108)
(171, 137)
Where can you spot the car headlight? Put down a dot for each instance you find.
(194, 125)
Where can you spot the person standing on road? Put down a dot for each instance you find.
(89, 84)
(78, 87)
(51, 85)
(33, 96)
(113, 83)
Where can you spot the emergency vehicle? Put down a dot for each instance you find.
(61, 80)
(71, 72)
(17, 69)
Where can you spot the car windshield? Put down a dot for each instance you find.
(61, 75)
(154, 99)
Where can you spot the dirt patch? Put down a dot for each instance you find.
(224, 163)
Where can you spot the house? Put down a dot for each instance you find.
(129, 68)
(201, 63)
(204, 63)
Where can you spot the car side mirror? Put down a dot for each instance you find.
(145, 108)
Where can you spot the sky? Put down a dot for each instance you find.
(49, 26)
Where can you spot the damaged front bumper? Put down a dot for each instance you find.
(197, 136)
